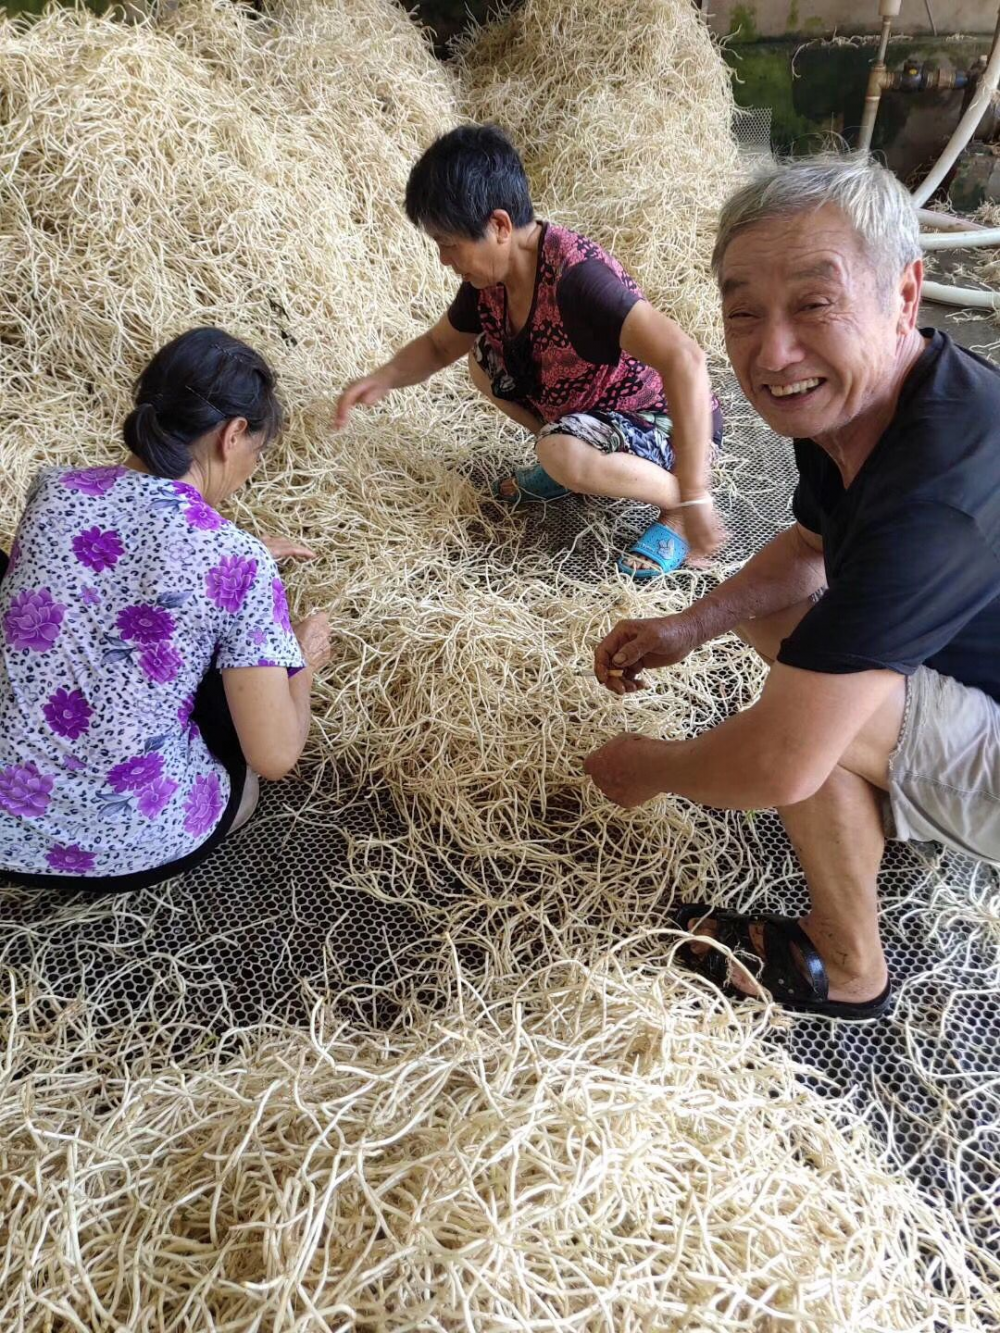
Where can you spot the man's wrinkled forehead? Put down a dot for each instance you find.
(815, 244)
(806, 272)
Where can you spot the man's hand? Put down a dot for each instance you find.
(283, 548)
(313, 635)
(634, 646)
(624, 769)
(367, 391)
(703, 531)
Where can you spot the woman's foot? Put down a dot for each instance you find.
(660, 550)
(636, 561)
(528, 485)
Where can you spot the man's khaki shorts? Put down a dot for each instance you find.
(944, 775)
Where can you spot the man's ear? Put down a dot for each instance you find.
(910, 285)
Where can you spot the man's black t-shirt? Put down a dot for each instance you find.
(912, 546)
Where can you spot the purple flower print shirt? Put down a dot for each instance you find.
(126, 590)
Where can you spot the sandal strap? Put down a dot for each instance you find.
(712, 963)
(784, 975)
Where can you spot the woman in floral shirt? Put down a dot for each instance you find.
(148, 664)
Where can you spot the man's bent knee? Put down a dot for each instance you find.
(766, 633)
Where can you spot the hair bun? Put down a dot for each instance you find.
(199, 380)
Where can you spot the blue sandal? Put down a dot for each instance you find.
(665, 547)
(533, 485)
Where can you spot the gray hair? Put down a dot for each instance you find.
(878, 207)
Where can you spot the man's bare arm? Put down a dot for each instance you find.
(776, 753)
(787, 570)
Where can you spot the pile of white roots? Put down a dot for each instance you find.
(575, 1134)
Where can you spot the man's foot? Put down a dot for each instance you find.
(791, 967)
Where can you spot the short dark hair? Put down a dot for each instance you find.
(463, 177)
(198, 381)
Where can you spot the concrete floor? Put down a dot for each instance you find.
(975, 329)
(965, 327)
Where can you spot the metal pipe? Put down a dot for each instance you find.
(914, 78)
(961, 296)
(958, 240)
(966, 127)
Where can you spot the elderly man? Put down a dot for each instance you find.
(878, 611)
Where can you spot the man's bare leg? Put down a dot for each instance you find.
(838, 838)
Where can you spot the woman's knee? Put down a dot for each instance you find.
(564, 459)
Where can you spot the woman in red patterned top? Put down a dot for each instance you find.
(560, 338)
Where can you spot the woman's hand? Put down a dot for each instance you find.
(367, 391)
(284, 548)
(634, 646)
(313, 634)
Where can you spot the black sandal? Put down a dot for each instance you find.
(796, 983)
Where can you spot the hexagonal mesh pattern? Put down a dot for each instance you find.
(275, 914)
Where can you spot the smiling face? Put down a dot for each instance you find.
(815, 338)
(483, 263)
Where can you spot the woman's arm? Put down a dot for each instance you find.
(656, 340)
(270, 710)
(415, 362)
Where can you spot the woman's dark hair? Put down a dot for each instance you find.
(463, 177)
(192, 385)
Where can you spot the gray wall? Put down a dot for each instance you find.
(819, 18)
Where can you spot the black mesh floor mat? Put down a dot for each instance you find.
(273, 917)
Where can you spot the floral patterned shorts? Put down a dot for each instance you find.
(644, 434)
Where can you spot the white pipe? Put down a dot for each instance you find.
(961, 296)
(946, 221)
(958, 240)
(873, 92)
(966, 127)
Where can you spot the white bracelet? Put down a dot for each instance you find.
(690, 504)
